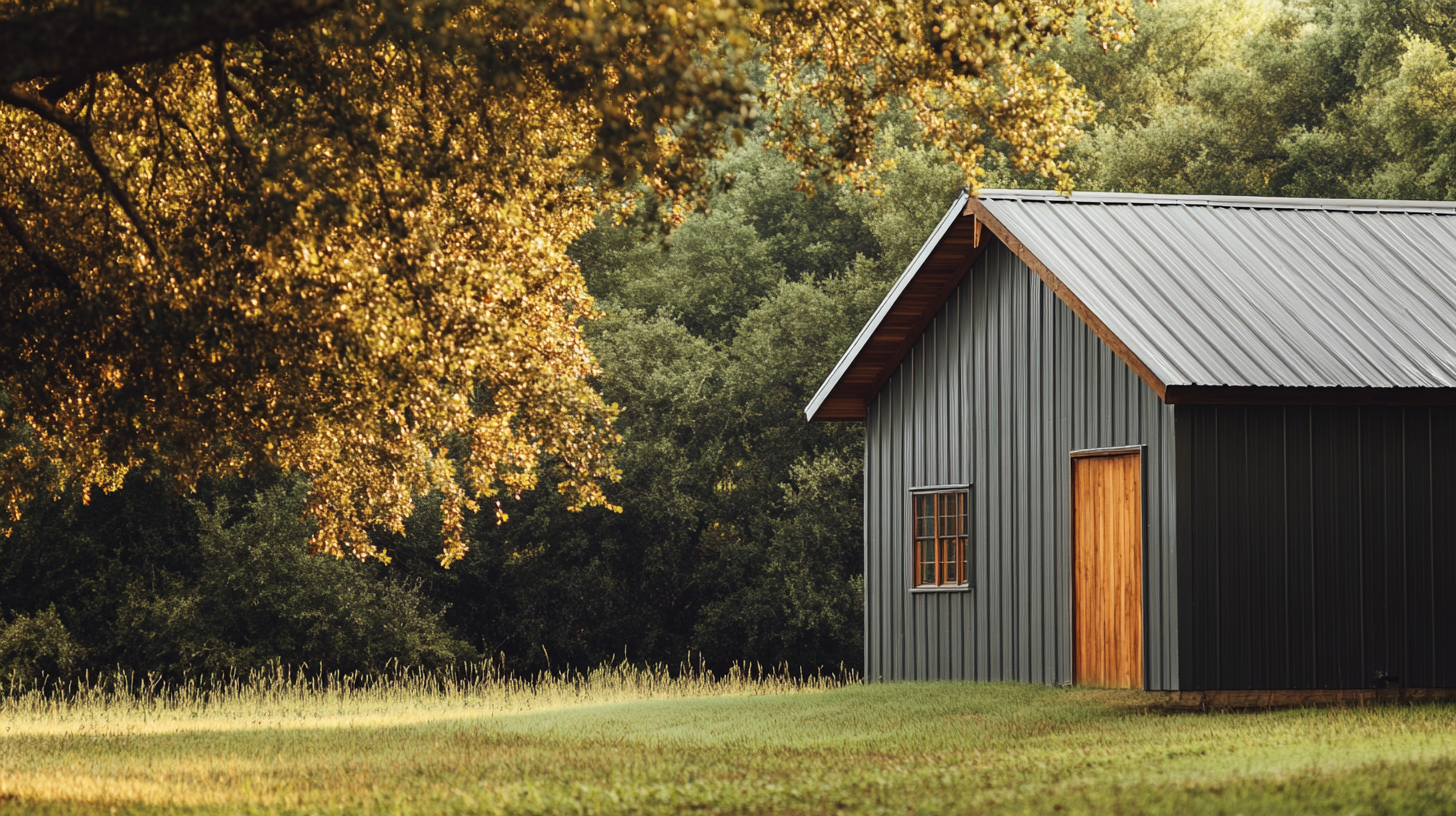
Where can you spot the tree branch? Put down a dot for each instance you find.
(79, 39)
(224, 110)
(57, 273)
(79, 134)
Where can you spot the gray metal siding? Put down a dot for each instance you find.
(1318, 544)
(1003, 385)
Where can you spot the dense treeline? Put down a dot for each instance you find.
(1324, 98)
(739, 532)
(738, 536)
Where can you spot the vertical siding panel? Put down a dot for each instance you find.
(1299, 585)
(902, 479)
(1203, 532)
(889, 458)
(1167, 540)
(1037, 494)
(1263, 503)
(870, 666)
(995, 588)
(1152, 554)
(980, 383)
(945, 377)
(876, 630)
(1443, 551)
(1374, 523)
(1393, 544)
(1069, 424)
(1233, 553)
(890, 452)
(966, 350)
(1416, 670)
(915, 458)
(890, 552)
(1022, 496)
(880, 590)
(1337, 465)
(928, 654)
(1190, 575)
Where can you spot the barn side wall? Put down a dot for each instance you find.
(1004, 384)
(1317, 546)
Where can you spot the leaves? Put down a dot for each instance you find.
(339, 248)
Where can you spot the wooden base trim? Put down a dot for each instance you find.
(1293, 698)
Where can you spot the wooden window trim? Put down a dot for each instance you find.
(962, 541)
(1078, 454)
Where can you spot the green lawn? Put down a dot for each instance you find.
(899, 748)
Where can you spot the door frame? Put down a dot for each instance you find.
(1082, 453)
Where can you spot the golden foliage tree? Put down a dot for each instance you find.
(330, 235)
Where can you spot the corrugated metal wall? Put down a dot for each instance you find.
(1318, 546)
(1002, 386)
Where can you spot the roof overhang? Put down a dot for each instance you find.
(963, 235)
(901, 318)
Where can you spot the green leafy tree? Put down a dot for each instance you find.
(148, 581)
(1332, 98)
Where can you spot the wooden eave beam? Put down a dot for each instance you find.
(926, 318)
(896, 335)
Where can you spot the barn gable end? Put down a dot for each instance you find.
(1004, 382)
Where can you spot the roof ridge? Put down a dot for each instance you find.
(1232, 202)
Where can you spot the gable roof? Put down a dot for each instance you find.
(1211, 299)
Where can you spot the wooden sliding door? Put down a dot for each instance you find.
(1107, 568)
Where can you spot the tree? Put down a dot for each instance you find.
(330, 236)
(1324, 98)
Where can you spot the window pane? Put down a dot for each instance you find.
(927, 562)
(924, 516)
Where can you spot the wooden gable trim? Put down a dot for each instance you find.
(917, 329)
(933, 280)
(977, 210)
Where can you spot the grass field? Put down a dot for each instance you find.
(628, 742)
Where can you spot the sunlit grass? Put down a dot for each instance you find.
(625, 741)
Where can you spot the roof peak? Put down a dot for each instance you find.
(1232, 202)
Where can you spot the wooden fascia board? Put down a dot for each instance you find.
(926, 317)
(829, 390)
(983, 215)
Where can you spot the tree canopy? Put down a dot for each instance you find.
(1318, 98)
(330, 236)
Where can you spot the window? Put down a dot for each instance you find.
(940, 534)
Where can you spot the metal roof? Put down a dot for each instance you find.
(1218, 292)
(1257, 292)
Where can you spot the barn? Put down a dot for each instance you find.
(1196, 444)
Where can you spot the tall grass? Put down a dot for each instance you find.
(282, 691)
